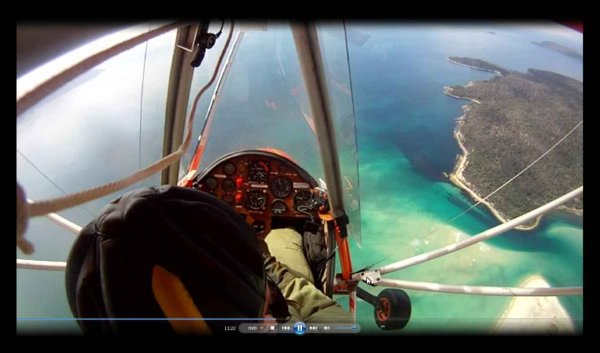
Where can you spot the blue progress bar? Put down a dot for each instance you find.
(140, 319)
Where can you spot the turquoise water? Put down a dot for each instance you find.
(405, 137)
(404, 124)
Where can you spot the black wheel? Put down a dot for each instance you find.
(392, 309)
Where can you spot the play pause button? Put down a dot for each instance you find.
(299, 328)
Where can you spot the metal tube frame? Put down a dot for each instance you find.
(178, 95)
(33, 90)
(210, 112)
(309, 55)
(313, 72)
(375, 277)
(481, 290)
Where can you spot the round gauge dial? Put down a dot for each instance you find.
(228, 184)
(211, 183)
(258, 171)
(256, 199)
(302, 198)
(229, 168)
(281, 187)
(278, 207)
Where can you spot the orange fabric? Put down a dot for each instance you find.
(176, 302)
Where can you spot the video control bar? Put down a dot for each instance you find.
(298, 328)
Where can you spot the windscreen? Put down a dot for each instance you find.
(262, 103)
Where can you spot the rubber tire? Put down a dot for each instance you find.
(393, 309)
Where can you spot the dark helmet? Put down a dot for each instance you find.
(165, 252)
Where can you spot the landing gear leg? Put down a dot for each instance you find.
(392, 307)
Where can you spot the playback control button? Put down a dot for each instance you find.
(298, 328)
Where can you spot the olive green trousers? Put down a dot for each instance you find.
(287, 265)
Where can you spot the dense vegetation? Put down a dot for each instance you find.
(479, 64)
(519, 118)
(559, 48)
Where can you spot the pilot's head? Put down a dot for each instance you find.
(174, 255)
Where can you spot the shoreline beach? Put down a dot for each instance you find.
(457, 177)
(475, 67)
(534, 315)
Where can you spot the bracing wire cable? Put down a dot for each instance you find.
(504, 184)
(39, 208)
(50, 180)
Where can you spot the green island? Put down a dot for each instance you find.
(478, 64)
(511, 121)
(559, 48)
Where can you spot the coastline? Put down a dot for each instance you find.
(457, 178)
(575, 211)
(535, 315)
(448, 92)
(475, 67)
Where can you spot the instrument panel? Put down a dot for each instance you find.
(261, 186)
